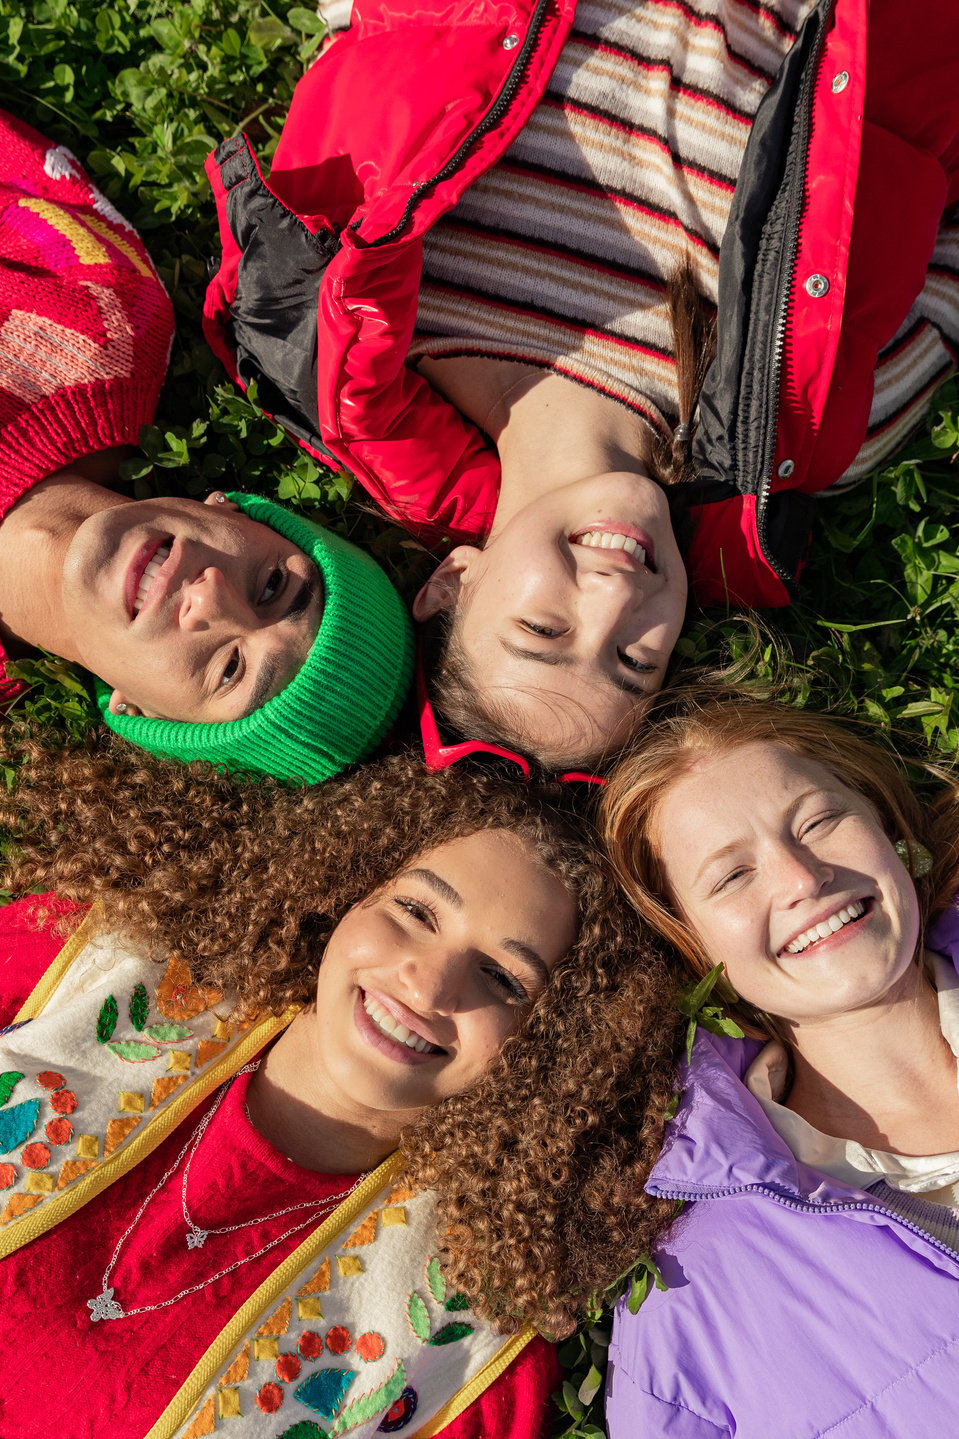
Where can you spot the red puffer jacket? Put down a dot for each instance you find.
(829, 238)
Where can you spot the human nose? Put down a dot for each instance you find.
(432, 982)
(207, 597)
(800, 873)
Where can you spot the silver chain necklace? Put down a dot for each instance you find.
(105, 1306)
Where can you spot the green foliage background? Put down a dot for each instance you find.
(141, 92)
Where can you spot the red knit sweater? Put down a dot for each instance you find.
(64, 1375)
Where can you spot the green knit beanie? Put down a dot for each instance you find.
(341, 702)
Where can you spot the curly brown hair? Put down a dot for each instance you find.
(690, 724)
(539, 1173)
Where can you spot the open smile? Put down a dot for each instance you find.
(387, 1034)
(148, 561)
(626, 539)
(824, 929)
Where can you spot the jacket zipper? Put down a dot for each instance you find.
(797, 186)
(804, 1207)
(492, 117)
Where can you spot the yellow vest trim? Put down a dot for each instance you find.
(488, 1375)
(38, 1221)
(262, 1300)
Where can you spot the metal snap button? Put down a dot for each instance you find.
(840, 81)
(817, 286)
(511, 42)
(785, 469)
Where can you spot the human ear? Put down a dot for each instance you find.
(220, 502)
(442, 589)
(120, 705)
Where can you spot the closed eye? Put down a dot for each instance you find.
(507, 986)
(730, 878)
(638, 665)
(548, 632)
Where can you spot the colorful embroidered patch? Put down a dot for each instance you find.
(131, 1101)
(107, 1019)
(204, 1423)
(370, 1346)
(338, 1339)
(450, 1333)
(88, 1146)
(18, 1204)
(269, 1397)
(456, 1301)
(8, 1083)
(304, 1429)
(368, 1405)
(392, 1217)
(228, 1403)
(139, 1006)
(399, 1414)
(50, 1079)
(178, 998)
(365, 1234)
(349, 1264)
(64, 1101)
(279, 1321)
(239, 1369)
(17, 1124)
(418, 1316)
(435, 1282)
(309, 1308)
(133, 1051)
(168, 1033)
(35, 1156)
(117, 1131)
(163, 1088)
(59, 1131)
(8, 1176)
(72, 1170)
(320, 1282)
(325, 1390)
(310, 1344)
(288, 1368)
(267, 1348)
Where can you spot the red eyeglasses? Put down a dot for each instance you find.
(441, 756)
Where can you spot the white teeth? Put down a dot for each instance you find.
(149, 574)
(826, 927)
(603, 540)
(392, 1028)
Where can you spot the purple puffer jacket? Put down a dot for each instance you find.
(797, 1307)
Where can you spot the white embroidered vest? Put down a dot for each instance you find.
(355, 1332)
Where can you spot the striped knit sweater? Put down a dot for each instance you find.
(559, 256)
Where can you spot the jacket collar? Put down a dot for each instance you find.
(721, 1142)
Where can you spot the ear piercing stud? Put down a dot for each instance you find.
(219, 498)
(121, 708)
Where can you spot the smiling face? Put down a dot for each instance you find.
(420, 985)
(190, 611)
(571, 612)
(786, 876)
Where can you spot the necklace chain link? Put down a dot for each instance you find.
(105, 1306)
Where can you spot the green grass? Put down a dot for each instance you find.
(141, 92)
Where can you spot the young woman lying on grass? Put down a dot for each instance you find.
(457, 284)
(307, 1122)
(810, 1277)
(233, 631)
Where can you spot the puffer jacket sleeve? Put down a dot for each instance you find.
(634, 1413)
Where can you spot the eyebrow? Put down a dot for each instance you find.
(298, 605)
(528, 956)
(547, 657)
(439, 886)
